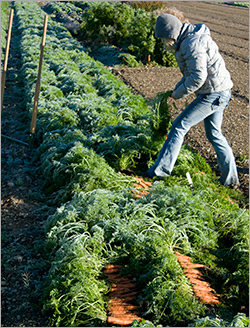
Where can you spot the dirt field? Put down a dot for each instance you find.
(22, 220)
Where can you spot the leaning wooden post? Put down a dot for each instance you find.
(6, 57)
(38, 82)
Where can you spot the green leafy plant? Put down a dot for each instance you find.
(147, 5)
(130, 29)
(240, 320)
(75, 295)
(106, 21)
(4, 17)
(241, 3)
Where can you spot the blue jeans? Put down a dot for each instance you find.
(208, 107)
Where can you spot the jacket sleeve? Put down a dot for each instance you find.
(194, 69)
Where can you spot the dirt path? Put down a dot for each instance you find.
(22, 217)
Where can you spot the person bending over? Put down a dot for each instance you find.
(205, 74)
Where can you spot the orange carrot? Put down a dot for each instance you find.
(119, 307)
(112, 266)
(136, 191)
(143, 184)
(111, 271)
(137, 185)
(122, 321)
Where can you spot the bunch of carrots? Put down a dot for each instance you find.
(201, 288)
(143, 186)
(121, 309)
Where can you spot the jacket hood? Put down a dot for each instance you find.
(189, 30)
(168, 26)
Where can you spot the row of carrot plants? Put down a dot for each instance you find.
(4, 18)
(90, 127)
(115, 32)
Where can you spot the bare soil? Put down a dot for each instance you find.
(23, 215)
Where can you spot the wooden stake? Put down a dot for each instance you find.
(38, 82)
(6, 57)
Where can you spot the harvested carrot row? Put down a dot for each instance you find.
(120, 311)
(147, 183)
(201, 288)
(141, 185)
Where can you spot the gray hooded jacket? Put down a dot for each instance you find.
(200, 62)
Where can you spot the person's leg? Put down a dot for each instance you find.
(195, 112)
(225, 157)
